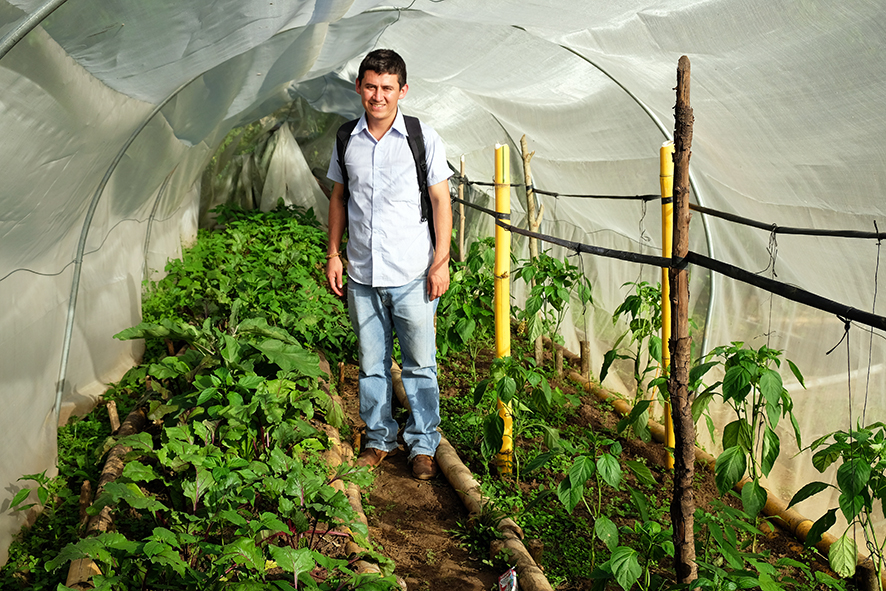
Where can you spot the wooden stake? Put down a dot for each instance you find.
(534, 220)
(683, 502)
(585, 359)
(461, 212)
(113, 416)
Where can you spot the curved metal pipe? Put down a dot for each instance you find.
(81, 245)
(26, 26)
(160, 194)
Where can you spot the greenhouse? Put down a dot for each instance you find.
(129, 128)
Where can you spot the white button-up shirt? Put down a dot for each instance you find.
(388, 244)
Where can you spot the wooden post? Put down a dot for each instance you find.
(461, 212)
(585, 350)
(534, 220)
(683, 502)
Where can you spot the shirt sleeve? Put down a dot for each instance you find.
(333, 173)
(435, 153)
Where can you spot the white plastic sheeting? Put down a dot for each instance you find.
(788, 130)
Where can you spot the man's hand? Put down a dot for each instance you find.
(438, 274)
(334, 275)
(438, 279)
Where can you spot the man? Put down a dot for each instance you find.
(395, 275)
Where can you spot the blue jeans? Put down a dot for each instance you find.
(374, 312)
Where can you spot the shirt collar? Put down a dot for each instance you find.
(399, 124)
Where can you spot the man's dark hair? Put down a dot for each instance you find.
(384, 61)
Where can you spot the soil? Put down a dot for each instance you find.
(412, 521)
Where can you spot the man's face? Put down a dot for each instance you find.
(379, 94)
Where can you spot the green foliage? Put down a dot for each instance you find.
(464, 315)
(753, 389)
(552, 285)
(528, 394)
(228, 484)
(261, 266)
(641, 344)
(861, 480)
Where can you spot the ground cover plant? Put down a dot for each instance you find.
(226, 489)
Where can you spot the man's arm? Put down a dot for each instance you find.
(337, 219)
(438, 275)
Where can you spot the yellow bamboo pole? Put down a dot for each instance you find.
(667, 244)
(505, 456)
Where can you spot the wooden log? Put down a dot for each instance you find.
(683, 501)
(113, 416)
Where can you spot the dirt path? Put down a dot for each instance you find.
(409, 520)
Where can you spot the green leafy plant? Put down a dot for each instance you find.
(861, 480)
(552, 285)
(641, 344)
(528, 394)
(602, 466)
(753, 389)
(464, 317)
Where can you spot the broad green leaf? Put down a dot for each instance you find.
(771, 449)
(480, 389)
(609, 469)
(851, 504)
(753, 498)
(796, 372)
(291, 357)
(608, 358)
(637, 411)
(534, 327)
(138, 472)
(539, 461)
(570, 494)
(642, 472)
(822, 459)
(655, 348)
(818, 528)
(729, 468)
(842, 556)
(737, 434)
(853, 476)
(20, 496)
(640, 502)
(625, 567)
(506, 389)
(736, 384)
(465, 329)
(813, 488)
(700, 404)
(698, 371)
(293, 561)
(493, 433)
(766, 583)
(582, 469)
(771, 386)
(606, 531)
(244, 551)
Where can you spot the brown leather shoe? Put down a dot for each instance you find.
(424, 467)
(371, 457)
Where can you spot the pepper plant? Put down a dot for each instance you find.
(752, 388)
(641, 344)
(861, 481)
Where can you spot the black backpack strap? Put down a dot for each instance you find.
(342, 137)
(416, 142)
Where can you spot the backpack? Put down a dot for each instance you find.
(416, 142)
